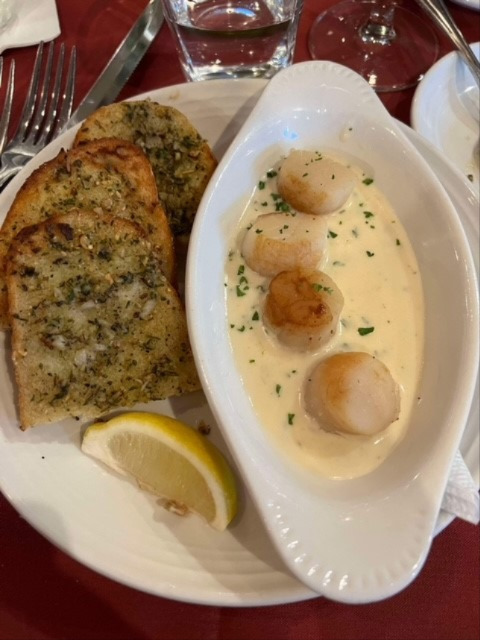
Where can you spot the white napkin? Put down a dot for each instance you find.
(32, 21)
(461, 496)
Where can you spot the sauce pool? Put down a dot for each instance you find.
(370, 258)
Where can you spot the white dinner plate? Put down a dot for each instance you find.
(446, 111)
(106, 522)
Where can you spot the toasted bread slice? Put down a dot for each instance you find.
(109, 175)
(182, 161)
(95, 323)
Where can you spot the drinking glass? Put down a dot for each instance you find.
(233, 38)
(390, 46)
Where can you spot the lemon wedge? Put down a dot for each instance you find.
(170, 459)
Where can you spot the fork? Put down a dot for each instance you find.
(41, 116)
(7, 107)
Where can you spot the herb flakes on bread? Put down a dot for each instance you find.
(182, 161)
(95, 323)
(105, 176)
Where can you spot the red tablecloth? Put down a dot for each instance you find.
(46, 595)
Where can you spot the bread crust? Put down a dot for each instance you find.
(182, 161)
(106, 176)
(96, 325)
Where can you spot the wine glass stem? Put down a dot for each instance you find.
(379, 27)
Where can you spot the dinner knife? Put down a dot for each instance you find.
(122, 63)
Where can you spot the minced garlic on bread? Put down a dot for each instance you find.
(95, 323)
(182, 161)
(106, 176)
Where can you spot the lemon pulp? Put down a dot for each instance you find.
(169, 459)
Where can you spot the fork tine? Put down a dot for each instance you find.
(29, 104)
(7, 107)
(47, 120)
(69, 91)
(40, 105)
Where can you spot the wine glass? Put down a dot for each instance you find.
(390, 46)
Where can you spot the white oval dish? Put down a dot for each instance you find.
(365, 539)
(445, 110)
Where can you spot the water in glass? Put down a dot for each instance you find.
(233, 38)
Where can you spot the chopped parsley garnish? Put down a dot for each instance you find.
(363, 331)
(282, 206)
(367, 181)
(278, 389)
(240, 291)
(319, 287)
(290, 418)
(261, 184)
(370, 254)
(255, 316)
(332, 234)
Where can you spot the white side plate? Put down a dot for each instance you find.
(446, 111)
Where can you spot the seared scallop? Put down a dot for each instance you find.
(282, 241)
(302, 308)
(353, 393)
(313, 183)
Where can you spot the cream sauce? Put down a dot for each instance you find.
(371, 260)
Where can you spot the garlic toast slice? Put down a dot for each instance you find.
(95, 323)
(182, 161)
(105, 176)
